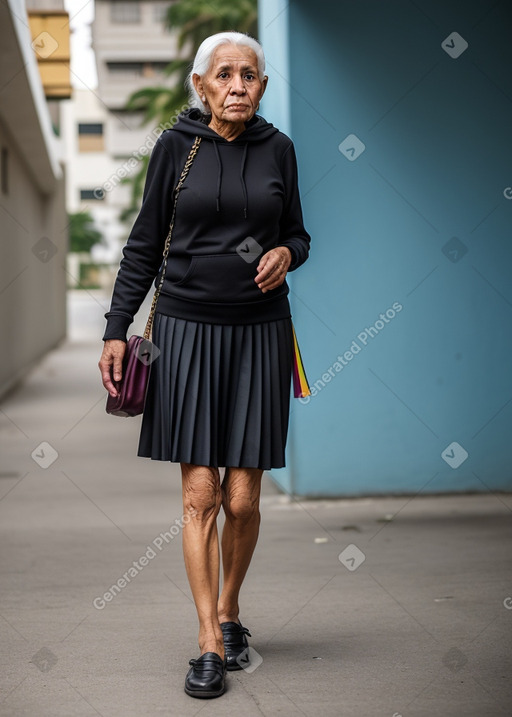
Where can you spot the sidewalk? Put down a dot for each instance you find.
(414, 618)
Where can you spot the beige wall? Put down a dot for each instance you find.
(33, 220)
(32, 285)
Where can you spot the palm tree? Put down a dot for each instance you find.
(199, 18)
(195, 20)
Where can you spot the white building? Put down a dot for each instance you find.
(132, 49)
(90, 169)
(104, 142)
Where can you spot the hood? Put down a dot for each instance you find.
(192, 121)
(257, 129)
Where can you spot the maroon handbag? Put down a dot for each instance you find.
(131, 390)
(140, 351)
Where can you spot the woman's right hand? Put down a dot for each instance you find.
(111, 364)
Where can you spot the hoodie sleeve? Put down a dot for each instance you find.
(292, 232)
(142, 254)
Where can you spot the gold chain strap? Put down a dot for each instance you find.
(167, 246)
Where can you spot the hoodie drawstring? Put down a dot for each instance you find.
(242, 178)
(244, 188)
(219, 178)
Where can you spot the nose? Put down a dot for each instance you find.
(237, 86)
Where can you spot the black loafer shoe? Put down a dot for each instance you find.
(206, 676)
(235, 642)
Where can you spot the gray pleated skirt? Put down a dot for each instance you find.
(219, 395)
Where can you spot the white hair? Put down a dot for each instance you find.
(204, 54)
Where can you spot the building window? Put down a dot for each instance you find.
(137, 69)
(90, 128)
(94, 194)
(152, 69)
(90, 137)
(126, 68)
(124, 11)
(4, 170)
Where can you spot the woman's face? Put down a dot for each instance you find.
(231, 86)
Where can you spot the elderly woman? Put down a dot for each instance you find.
(219, 391)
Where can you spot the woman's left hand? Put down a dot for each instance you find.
(273, 268)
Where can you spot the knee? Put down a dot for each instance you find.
(201, 492)
(241, 507)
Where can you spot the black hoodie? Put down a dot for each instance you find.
(239, 200)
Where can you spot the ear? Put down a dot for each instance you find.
(198, 84)
(263, 86)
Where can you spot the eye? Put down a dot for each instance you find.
(223, 75)
(250, 76)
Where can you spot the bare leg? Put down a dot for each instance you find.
(202, 493)
(240, 499)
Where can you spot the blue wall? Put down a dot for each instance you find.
(419, 219)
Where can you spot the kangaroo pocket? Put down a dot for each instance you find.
(218, 278)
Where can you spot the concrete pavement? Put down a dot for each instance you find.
(398, 606)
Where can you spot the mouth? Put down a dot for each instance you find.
(237, 107)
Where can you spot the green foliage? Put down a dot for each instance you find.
(159, 104)
(82, 234)
(198, 19)
(194, 20)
